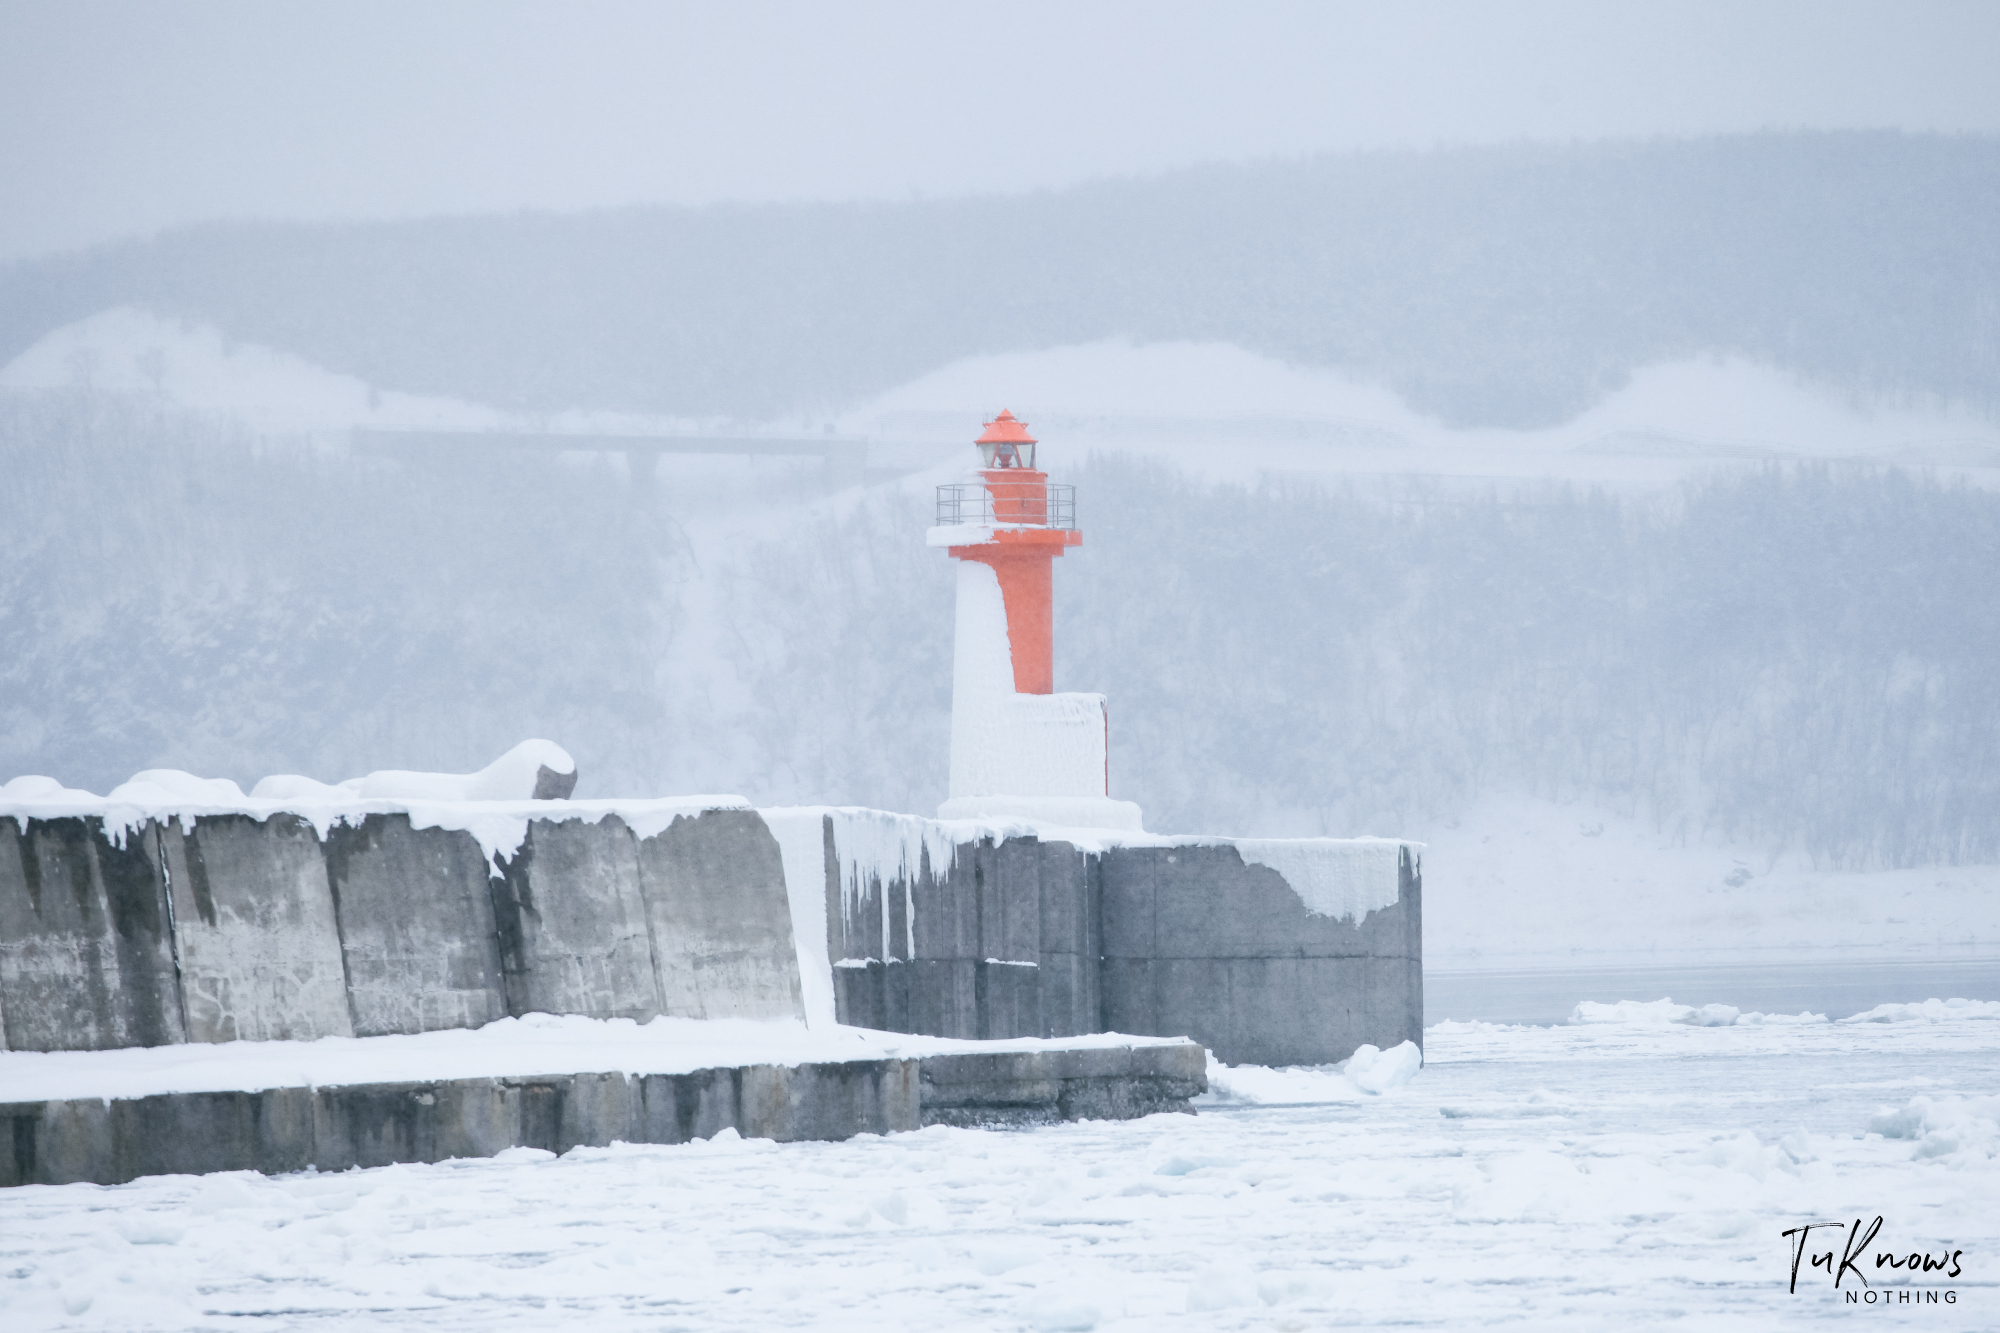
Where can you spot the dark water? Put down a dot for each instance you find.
(1835, 990)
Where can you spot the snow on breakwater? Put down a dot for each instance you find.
(493, 805)
(1334, 877)
(533, 1044)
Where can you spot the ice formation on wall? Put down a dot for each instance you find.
(878, 848)
(801, 835)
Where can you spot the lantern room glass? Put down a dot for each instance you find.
(1007, 453)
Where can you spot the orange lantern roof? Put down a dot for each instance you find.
(1005, 429)
(1006, 443)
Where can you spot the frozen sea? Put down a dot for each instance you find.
(1622, 1174)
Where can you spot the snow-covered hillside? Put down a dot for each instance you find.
(1226, 413)
(1314, 611)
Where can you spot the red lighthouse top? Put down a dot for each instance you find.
(1006, 443)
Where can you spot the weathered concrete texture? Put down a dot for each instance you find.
(237, 928)
(1043, 1087)
(1002, 943)
(290, 1129)
(1026, 938)
(571, 918)
(1197, 942)
(86, 955)
(416, 927)
(714, 891)
(258, 941)
(247, 929)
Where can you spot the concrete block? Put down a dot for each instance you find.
(477, 1118)
(1125, 1098)
(1199, 944)
(416, 927)
(196, 1132)
(86, 957)
(1008, 996)
(598, 1110)
(1043, 1087)
(947, 909)
(678, 1108)
(376, 1124)
(258, 941)
(58, 1143)
(875, 994)
(714, 892)
(943, 996)
(854, 916)
(829, 1101)
(1069, 1001)
(572, 923)
(1011, 904)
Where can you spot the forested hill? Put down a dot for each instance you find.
(1495, 286)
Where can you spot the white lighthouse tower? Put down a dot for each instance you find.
(1018, 748)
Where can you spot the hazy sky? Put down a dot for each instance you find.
(122, 118)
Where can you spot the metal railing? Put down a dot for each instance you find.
(1006, 504)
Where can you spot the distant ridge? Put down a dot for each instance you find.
(1508, 286)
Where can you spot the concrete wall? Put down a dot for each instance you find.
(246, 929)
(86, 955)
(240, 928)
(714, 887)
(1001, 942)
(1019, 937)
(1197, 942)
(416, 927)
(255, 930)
(290, 1129)
(571, 916)
(334, 1128)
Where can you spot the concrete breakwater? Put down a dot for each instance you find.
(109, 1141)
(1026, 936)
(229, 927)
(271, 924)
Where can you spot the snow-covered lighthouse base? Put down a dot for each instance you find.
(1039, 757)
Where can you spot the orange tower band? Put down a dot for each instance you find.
(1022, 553)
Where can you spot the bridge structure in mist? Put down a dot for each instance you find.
(844, 457)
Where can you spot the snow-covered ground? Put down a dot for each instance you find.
(1628, 1174)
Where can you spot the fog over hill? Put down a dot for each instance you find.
(1509, 286)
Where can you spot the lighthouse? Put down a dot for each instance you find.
(1018, 749)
